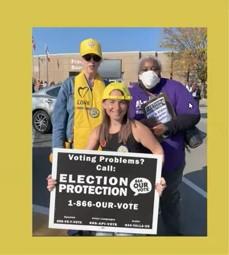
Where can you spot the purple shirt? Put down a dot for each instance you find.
(182, 102)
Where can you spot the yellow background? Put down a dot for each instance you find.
(17, 20)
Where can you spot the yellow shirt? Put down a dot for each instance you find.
(87, 108)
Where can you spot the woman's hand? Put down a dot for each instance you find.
(160, 186)
(51, 183)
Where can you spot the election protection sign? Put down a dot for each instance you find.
(105, 191)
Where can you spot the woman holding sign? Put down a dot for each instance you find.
(118, 133)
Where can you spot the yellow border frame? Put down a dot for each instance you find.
(17, 20)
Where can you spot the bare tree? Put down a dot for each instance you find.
(188, 52)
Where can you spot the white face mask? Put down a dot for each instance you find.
(149, 79)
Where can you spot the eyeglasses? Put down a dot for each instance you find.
(88, 57)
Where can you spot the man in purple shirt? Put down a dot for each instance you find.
(187, 115)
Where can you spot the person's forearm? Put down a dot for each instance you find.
(182, 122)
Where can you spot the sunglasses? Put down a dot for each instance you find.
(88, 57)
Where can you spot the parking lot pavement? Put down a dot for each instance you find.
(193, 188)
(40, 223)
(41, 140)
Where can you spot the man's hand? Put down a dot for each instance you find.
(159, 129)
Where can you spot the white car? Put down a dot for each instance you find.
(43, 102)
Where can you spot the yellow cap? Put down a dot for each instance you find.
(117, 86)
(90, 46)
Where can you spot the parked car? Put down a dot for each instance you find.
(43, 102)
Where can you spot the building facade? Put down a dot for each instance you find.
(58, 67)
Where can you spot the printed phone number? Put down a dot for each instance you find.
(99, 204)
